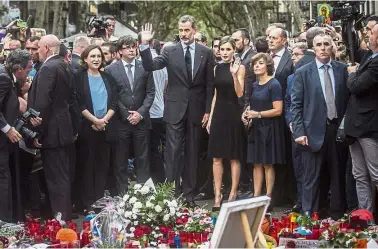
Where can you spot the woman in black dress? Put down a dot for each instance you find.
(266, 137)
(225, 127)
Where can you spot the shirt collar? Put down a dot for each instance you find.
(244, 53)
(280, 53)
(14, 78)
(374, 55)
(319, 64)
(49, 58)
(192, 46)
(126, 63)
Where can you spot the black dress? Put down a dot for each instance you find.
(266, 144)
(227, 134)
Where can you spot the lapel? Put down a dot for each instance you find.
(366, 62)
(283, 62)
(178, 55)
(122, 73)
(138, 72)
(315, 79)
(87, 90)
(198, 56)
(338, 80)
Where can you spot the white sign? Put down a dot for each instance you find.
(299, 243)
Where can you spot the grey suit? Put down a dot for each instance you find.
(185, 105)
(137, 98)
(309, 118)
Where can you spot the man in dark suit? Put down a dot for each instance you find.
(79, 45)
(284, 190)
(309, 54)
(188, 99)
(319, 99)
(136, 94)
(18, 66)
(52, 93)
(361, 121)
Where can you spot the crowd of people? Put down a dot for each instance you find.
(217, 122)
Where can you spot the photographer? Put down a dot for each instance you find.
(361, 120)
(18, 65)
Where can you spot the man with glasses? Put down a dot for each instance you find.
(136, 91)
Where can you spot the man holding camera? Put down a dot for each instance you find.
(361, 120)
(18, 66)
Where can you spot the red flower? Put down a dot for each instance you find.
(146, 229)
(138, 233)
(185, 218)
(165, 229)
(179, 221)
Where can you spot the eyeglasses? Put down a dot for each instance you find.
(297, 54)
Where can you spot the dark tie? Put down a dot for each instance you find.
(130, 75)
(188, 62)
(330, 97)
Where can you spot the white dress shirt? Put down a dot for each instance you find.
(192, 49)
(132, 68)
(277, 58)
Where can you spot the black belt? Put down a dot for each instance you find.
(332, 122)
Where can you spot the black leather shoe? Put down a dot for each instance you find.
(294, 209)
(190, 204)
(204, 197)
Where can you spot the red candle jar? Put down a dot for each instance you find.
(171, 237)
(197, 238)
(190, 237)
(315, 232)
(204, 236)
(315, 216)
(86, 225)
(183, 236)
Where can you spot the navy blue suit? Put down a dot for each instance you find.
(309, 118)
(290, 82)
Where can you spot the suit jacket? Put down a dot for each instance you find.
(250, 76)
(182, 96)
(284, 69)
(288, 116)
(308, 57)
(140, 98)
(85, 100)
(75, 63)
(52, 93)
(308, 106)
(9, 104)
(361, 118)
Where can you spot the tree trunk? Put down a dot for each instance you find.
(40, 15)
(58, 22)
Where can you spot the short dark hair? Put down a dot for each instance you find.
(63, 51)
(215, 39)
(17, 59)
(372, 18)
(267, 59)
(85, 54)
(203, 36)
(34, 38)
(227, 39)
(156, 45)
(261, 44)
(126, 40)
(244, 32)
(111, 46)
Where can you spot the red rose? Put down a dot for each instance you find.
(185, 218)
(146, 229)
(179, 221)
(138, 233)
(163, 229)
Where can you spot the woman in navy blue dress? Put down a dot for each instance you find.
(266, 137)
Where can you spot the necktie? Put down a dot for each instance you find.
(330, 97)
(188, 62)
(130, 75)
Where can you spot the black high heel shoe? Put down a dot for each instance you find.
(218, 204)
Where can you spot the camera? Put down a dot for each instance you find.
(99, 26)
(349, 11)
(25, 119)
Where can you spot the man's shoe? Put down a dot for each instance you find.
(294, 209)
(204, 197)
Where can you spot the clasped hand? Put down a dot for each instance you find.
(99, 124)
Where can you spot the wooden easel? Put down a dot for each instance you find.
(254, 229)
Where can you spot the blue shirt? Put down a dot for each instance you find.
(321, 76)
(99, 95)
(160, 78)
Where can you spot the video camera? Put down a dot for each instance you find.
(349, 11)
(99, 25)
(25, 119)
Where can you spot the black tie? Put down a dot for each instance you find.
(188, 61)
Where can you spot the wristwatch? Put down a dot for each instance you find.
(259, 115)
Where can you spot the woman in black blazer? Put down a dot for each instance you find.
(98, 103)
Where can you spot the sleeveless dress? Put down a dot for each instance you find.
(227, 133)
(266, 143)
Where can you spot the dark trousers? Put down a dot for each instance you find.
(57, 163)
(298, 171)
(205, 169)
(77, 172)
(157, 150)
(6, 208)
(137, 138)
(313, 162)
(183, 137)
(95, 168)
